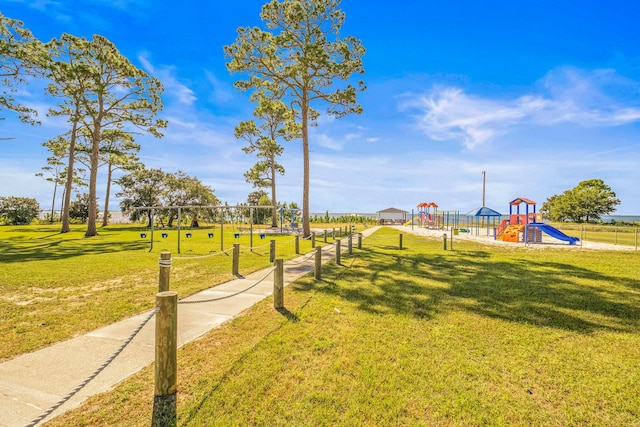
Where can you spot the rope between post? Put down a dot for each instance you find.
(95, 373)
(203, 256)
(164, 262)
(231, 295)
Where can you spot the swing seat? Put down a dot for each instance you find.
(165, 235)
(236, 235)
(188, 235)
(143, 235)
(262, 235)
(211, 235)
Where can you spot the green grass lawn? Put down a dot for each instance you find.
(482, 335)
(616, 235)
(55, 286)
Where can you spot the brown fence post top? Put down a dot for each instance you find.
(165, 259)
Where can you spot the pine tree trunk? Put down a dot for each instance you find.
(105, 215)
(93, 178)
(306, 227)
(66, 204)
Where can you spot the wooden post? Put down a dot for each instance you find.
(272, 251)
(444, 239)
(333, 233)
(346, 231)
(313, 239)
(338, 251)
(278, 285)
(235, 266)
(359, 240)
(350, 244)
(340, 231)
(325, 236)
(166, 371)
(165, 270)
(400, 240)
(297, 244)
(317, 272)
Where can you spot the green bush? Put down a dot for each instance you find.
(18, 210)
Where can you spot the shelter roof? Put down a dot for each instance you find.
(392, 211)
(483, 211)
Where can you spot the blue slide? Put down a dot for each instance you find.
(555, 233)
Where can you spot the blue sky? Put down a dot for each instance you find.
(540, 95)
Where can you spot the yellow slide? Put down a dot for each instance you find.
(419, 217)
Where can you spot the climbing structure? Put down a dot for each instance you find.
(527, 227)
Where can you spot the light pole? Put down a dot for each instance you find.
(484, 179)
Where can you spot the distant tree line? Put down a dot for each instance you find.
(103, 97)
(587, 202)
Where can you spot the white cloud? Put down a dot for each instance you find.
(167, 75)
(326, 141)
(221, 93)
(564, 95)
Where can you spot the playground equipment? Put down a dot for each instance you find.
(482, 217)
(293, 213)
(424, 217)
(437, 220)
(527, 227)
(223, 213)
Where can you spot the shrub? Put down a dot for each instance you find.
(18, 210)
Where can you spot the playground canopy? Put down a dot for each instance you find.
(428, 205)
(484, 214)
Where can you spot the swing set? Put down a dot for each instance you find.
(194, 224)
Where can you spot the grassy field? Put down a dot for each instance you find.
(498, 336)
(617, 235)
(55, 286)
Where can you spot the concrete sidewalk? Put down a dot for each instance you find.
(32, 383)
